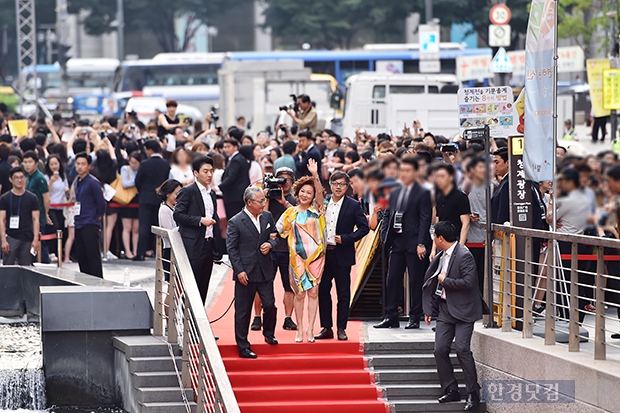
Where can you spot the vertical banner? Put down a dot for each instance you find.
(539, 86)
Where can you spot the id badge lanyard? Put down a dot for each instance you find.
(14, 219)
(78, 196)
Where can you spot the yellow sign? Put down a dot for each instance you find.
(18, 128)
(518, 145)
(595, 79)
(611, 89)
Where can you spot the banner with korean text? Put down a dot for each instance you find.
(539, 81)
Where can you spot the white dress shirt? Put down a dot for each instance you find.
(209, 209)
(444, 265)
(255, 220)
(331, 216)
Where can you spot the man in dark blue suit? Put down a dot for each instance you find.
(405, 233)
(235, 179)
(346, 224)
(308, 151)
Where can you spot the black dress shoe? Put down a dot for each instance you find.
(615, 336)
(411, 324)
(246, 353)
(450, 396)
(342, 335)
(325, 334)
(138, 258)
(271, 340)
(387, 323)
(256, 324)
(289, 324)
(473, 400)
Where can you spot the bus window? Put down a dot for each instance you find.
(406, 89)
(378, 92)
(433, 89)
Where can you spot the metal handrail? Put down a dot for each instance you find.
(188, 325)
(505, 278)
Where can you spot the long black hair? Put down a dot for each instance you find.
(48, 171)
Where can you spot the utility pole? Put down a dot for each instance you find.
(428, 11)
(26, 49)
(62, 32)
(614, 63)
(120, 19)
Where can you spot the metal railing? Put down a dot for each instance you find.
(188, 325)
(576, 270)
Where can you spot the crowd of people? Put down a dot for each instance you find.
(302, 196)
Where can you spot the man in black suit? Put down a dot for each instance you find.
(451, 294)
(236, 178)
(346, 224)
(406, 236)
(250, 237)
(152, 173)
(199, 225)
(307, 151)
(500, 201)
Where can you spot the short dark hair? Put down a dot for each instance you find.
(614, 173)
(304, 98)
(375, 174)
(32, 155)
(339, 175)
(233, 142)
(502, 153)
(79, 145)
(5, 151)
(338, 137)
(13, 171)
(6, 138)
(201, 160)
(446, 167)
(167, 188)
(84, 155)
(356, 172)
(352, 155)
(289, 147)
(410, 160)
(152, 145)
(28, 144)
(447, 230)
(236, 133)
(171, 102)
(474, 162)
(307, 134)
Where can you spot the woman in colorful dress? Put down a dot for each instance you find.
(304, 225)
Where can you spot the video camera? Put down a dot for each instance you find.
(294, 106)
(272, 184)
(214, 116)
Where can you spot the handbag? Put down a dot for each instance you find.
(123, 196)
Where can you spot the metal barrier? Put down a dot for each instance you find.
(575, 270)
(188, 325)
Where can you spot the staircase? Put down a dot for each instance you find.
(406, 373)
(146, 377)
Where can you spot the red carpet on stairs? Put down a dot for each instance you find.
(322, 377)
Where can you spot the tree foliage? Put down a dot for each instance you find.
(581, 20)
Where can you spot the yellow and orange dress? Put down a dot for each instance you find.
(306, 232)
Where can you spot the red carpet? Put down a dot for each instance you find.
(326, 376)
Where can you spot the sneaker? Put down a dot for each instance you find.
(538, 310)
(53, 257)
(256, 324)
(110, 256)
(590, 307)
(289, 324)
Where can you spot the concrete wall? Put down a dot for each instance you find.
(507, 356)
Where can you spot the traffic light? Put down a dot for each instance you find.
(63, 58)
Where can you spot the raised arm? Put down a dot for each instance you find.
(313, 168)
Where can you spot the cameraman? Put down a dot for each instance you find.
(280, 253)
(306, 114)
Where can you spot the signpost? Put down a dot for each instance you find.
(500, 14)
(429, 48)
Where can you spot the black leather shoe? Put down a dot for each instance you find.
(450, 396)
(325, 334)
(246, 353)
(256, 324)
(411, 324)
(289, 324)
(473, 400)
(271, 340)
(138, 258)
(387, 323)
(342, 335)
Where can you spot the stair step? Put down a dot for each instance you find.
(412, 375)
(143, 364)
(275, 378)
(316, 406)
(155, 379)
(399, 347)
(163, 394)
(384, 361)
(405, 406)
(144, 346)
(342, 392)
(166, 407)
(290, 362)
(414, 391)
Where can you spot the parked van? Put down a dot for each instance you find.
(385, 102)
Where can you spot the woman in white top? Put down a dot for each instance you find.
(167, 192)
(256, 170)
(59, 188)
(129, 216)
(181, 170)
